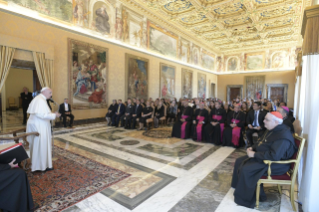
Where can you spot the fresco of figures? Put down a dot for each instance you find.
(167, 74)
(232, 64)
(255, 86)
(208, 61)
(187, 83)
(255, 61)
(201, 85)
(162, 41)
(195, 55)
(280, 60)
(88, 67)
(136, 77)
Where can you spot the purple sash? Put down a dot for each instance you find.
(235, 133)
(199, 127)
(183, 126)
(221, 125)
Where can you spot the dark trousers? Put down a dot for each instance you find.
(127, 121)
(25, 115)
(116, 119)
(64, 119)
(250, 132)
(134, 121)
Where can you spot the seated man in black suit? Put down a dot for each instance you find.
(111, 112)
(255, 121)
(120, 110)
(126, 117)
(65, 110)
(136, 112)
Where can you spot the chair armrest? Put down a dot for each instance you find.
(269, 162)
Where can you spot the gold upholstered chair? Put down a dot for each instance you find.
(150, 120)
(288, 178)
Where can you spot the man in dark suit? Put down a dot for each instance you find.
(138, 108)
(65, 110)
(255, 121)
(126, 117)
(119, 112)
(26, 98)
(111, 112)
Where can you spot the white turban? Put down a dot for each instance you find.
(45, 88)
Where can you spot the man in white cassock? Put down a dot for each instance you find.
(39, 121)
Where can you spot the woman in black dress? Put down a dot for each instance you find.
(146, 114)
(159, 113)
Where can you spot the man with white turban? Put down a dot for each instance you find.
(39, 121)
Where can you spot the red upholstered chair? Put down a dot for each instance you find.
(288, 178)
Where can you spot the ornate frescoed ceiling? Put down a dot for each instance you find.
(232, 26)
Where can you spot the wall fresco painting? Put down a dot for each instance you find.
(136, 77)
(88, 68)
(162, 41)
(201, 85)
(167, 82)
(187, 83)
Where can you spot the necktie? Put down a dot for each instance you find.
(136, 109)
(118, 109)
(255, 119)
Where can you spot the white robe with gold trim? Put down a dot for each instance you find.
(39, 121)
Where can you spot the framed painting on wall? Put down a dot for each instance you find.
(167, 81)
(187, 84)
(88, 71)
(201, 85)
(255, 61)
(255, 86)
(136, 85)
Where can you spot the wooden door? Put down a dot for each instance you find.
(277, 93)
(234, 93)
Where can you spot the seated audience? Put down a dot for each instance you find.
(244, 108)
(268, 107)
(142, 103)
(126, 117)
(66, 111)
(111, 112)
(146, 114)
(159, 112)
(291, 115)
(172, 113)
(255, 122)
(214, 130)
(118, 114)
(182, 127)
(276, 144)
(284, 111)
(200, 119)
(137, 112)
(15, 192)
(235, 122)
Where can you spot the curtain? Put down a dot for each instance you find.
(40, 64)
(309, 118)
(49, 71)
(296, 99)
(6, 57)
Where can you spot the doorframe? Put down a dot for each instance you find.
(234, 86)
(285, 86)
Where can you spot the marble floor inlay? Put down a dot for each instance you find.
(166, 174)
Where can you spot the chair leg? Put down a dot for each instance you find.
(292, 196)
(279, 188)
(257, 194)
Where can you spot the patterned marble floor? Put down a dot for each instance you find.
(166, 174)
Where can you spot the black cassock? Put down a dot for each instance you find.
(212, 134)
(288, 122)
(228, 139)
(177, 128)
(15, 193)
(277, 144)
(197, 132)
